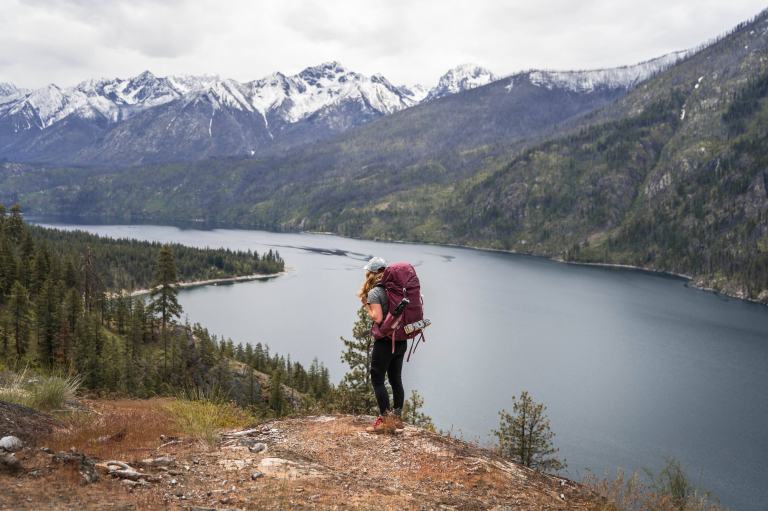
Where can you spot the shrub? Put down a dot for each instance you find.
(203, 418)
(44, 393)
(670, 490)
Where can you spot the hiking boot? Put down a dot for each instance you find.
(395, 421)
(377, 426)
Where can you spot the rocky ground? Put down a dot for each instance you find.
(321, 462)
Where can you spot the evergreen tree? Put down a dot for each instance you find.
(355, 390)
(63, 343)
(8, 266)
(164, 295)
(276, 397)
(46, 323)
(412, 413)
(525, 436)
(19, 307)
(15, 224)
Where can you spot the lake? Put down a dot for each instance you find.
(633, 367)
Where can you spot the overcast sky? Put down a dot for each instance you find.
(67, 41)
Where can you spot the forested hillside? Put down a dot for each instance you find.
(61, 313)
(678, 183)
(129, 264)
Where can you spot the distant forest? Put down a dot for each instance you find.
(61, 312)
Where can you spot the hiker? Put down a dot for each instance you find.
(386, 359)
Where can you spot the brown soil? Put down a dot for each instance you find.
(25, 423)
(326, 462)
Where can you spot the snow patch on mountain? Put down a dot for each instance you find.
(292, 98)
(614, 78)
(316, 88)
(460, 78)
(9, 92)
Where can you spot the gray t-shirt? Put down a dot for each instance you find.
(378, 295)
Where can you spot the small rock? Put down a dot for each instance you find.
(256, 475)
(562, 496)
(259, 447)
(173, 482)
(9, 463)
(162, 461)
(46, 450)
(11, 443)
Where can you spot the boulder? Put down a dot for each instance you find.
(11, 444)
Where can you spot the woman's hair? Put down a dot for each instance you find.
(371, 279)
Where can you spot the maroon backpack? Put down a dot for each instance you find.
(400, 281)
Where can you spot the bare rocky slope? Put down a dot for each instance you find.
(316, 462)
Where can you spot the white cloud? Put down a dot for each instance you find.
(66, 41)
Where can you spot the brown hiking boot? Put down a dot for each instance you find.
(394, 421)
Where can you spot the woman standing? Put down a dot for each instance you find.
(384, 362)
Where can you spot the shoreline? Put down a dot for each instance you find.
(690, 279)
(209, 282)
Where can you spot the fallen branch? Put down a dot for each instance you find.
(123, 470)
(238, 434)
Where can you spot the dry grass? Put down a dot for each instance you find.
(44, 392)
(631, 493)
(122, 429)
(201, 419)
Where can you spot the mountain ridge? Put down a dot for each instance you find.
(123, 122)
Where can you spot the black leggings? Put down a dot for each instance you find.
(384, 362)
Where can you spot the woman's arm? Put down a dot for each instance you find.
(375, 312)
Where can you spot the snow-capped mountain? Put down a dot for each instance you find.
(9, 92)
(460, 78)
(624, 77)
(137, 113)
(147, 118)
(315, 88)
(295, 97)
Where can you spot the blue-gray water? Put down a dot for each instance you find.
(633, 367)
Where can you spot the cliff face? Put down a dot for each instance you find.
(319, 462)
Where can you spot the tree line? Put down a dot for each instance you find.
(61, 311)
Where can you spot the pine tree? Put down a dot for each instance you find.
(63, 349)
(91, 283)
(8, 266)
(412, 413)
(47, 326)
(276, 397)
(164, 295)
(355, 390)
(19, 307)
(525, 436)
(15, 224)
